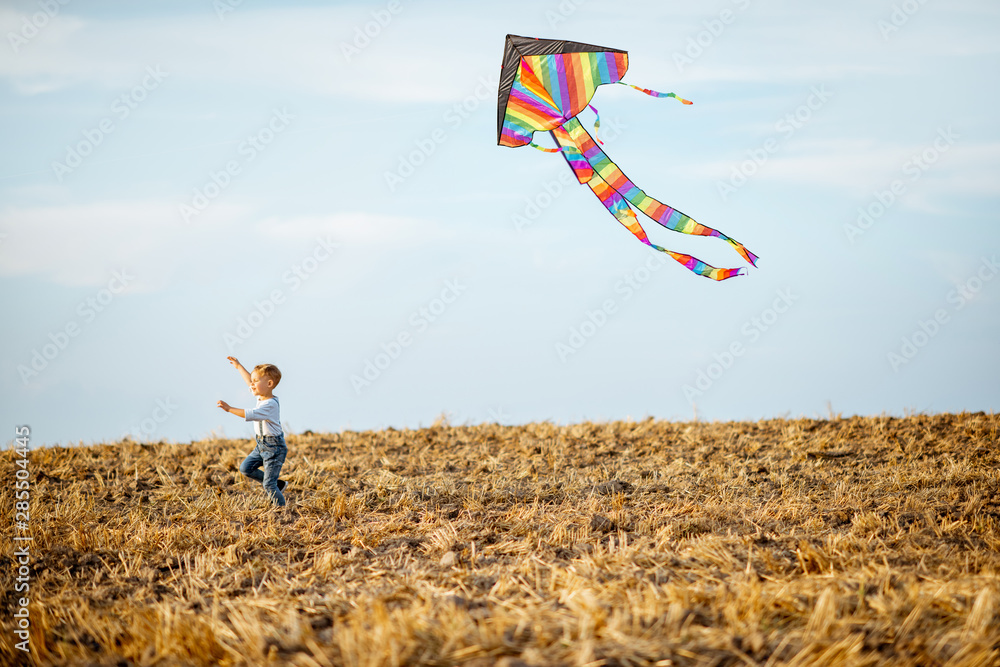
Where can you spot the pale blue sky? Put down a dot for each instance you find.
(339, 185)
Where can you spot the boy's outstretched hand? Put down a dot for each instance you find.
(235, 362)
(239, 412)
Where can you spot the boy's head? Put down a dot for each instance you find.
(263, 379)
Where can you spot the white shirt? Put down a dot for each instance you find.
(266, 413)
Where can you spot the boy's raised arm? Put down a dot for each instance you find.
(238, 366)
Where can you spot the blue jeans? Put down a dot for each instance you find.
(270, 453)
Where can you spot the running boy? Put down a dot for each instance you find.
(270, 451)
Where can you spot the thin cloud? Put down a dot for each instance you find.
(79, 245)
(299, 49)
(858, 167)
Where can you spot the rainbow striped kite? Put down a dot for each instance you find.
(544, 85)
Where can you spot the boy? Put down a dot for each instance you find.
(270, 451)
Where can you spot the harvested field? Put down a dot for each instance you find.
(856, 541)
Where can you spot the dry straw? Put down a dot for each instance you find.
(857, 541)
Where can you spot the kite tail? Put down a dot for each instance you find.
(665, 215)
(618, 207)
(625, 215)
(653, 93)
(574, 158)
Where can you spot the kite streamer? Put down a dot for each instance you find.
(653, 93)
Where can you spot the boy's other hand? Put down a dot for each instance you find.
(235, 362)
(225, 406)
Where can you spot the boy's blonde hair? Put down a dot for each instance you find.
(270, 371)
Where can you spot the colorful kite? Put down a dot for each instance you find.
(544, 85)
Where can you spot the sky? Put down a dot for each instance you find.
(318, 185)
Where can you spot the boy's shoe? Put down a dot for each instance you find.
(282, 484)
